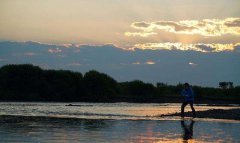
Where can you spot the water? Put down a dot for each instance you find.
(96, 110)
(110, 122)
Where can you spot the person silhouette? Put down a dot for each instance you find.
(189, 98)
(187, 130)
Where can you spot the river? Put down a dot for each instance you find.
(110, 122)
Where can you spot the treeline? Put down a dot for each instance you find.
(31, 83)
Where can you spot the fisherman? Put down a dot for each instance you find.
(189, 99)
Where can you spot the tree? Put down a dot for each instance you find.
(161, 84)
(230, 85)
(28, 82)
(223, 85)
(99, 85)
(138, 88)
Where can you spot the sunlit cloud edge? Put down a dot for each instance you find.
(199, 47)
(205, 27)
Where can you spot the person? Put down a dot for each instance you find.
(189, 99)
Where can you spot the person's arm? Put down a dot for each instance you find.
(183, 93)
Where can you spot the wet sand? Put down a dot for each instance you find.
(231, 114)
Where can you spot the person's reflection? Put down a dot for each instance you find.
(187, 130)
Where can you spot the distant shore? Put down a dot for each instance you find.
(49, 85)
(210, 102)
(231, 114)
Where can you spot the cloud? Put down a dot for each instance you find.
(205, 27)
(136, 63)
(200, 47)
(192, 64)
(54, 50)
(129, 65)
(233, 22)
(142, 34)
(140, 25)
(150, 62)
(67, 45)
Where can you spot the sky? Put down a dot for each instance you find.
(156, 33)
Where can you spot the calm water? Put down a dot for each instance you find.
(110, 122)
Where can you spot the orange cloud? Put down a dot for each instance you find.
(56, 50)
(150, 62)
(142, 34)
(205, 27)
(136, 63)
(200, 47)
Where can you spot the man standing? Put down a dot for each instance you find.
(189, 98)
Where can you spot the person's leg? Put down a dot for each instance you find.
(193, 110)
(182, 108)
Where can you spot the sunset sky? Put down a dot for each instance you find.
(201, 26)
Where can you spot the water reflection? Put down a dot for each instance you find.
(187, 130)
(45, 129)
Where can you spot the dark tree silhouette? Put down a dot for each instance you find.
(27, 82)
(230, 85)
(223, 85)
(99, 85)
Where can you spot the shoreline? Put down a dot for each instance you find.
(76, 103)
(228, 114)
(208, 102)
